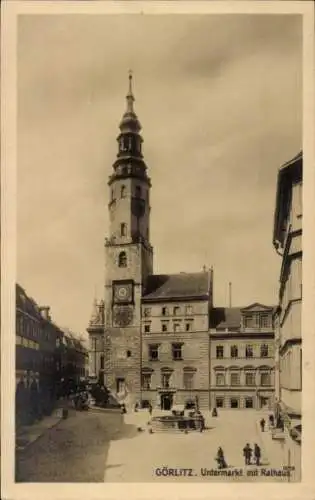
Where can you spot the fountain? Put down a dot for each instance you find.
(177, 422)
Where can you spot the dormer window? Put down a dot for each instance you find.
(249, 321)
(264, 321)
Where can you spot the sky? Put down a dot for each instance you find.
(220, 101)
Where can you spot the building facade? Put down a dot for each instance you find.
(242, 357)
(96, 341)
(44, 352)
(175, 339)
(150, 338)
(287, 240)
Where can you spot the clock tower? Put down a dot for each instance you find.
(128, 255)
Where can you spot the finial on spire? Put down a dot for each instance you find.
(130, 97)
(130, 81)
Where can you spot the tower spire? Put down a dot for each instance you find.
(130, 96)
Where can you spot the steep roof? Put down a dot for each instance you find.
(225, 317)
(230, 317)
(26, 303)
(287, 173)
(177, 286)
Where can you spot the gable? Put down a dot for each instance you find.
(257, 307)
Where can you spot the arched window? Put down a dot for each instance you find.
(122, 259)
(123, 192)
(138, 191)
(123, 229)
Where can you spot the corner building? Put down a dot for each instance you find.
(242, 357)
(154, 344)
(287, 241)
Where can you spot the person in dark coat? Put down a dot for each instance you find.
(201, 421)
(20, 402)
(262, 424)
(271, 420)
(247, 453)
(150, 409)
(257, 454)
(214, 412)
(34, 399)
(221, 459)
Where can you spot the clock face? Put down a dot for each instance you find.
(123, 316)
(123, 292)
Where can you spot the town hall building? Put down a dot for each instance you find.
(151, 335)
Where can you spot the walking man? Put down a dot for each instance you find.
(257, 454)
(262, 424)
(150, 409)
(247, 452)
(271, 420)
(221, 459)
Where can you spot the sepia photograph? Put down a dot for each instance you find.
(159, 215)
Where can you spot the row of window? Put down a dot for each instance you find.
(222, 402)
(249, 351)
(169, 311)
(257, 320)
(123, 192)
(28, 327)
(176, 352)
(25, 326)
(174, 327)
(250, 379)
(31, 344)
(130, 143)
(188, 380)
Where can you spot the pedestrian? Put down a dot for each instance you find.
(220, 459)
(271, 420)
(20, 402)
(247, 453)
(201, 421)
(34, 400)
(257, 454)
(262, 424)
(150, 409)
(214, 412)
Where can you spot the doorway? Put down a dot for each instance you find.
(234, 403)
(264, 402)
(166, 401)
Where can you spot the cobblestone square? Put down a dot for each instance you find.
(138, 459)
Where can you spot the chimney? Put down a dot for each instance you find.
(230, 294)
(44, 310)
